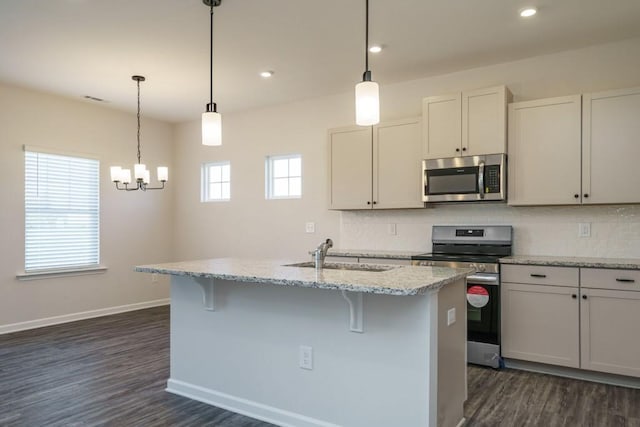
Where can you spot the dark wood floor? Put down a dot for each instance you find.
(111, 371)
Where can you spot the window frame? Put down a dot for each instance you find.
(269, 178)
(205, 182)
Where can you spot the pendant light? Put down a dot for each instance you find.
(141, 174)
(211, 119)
(367, 93)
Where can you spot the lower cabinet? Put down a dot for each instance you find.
(540, 324)
(610, 318)
(593, 325)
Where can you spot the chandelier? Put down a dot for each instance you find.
(141, 173)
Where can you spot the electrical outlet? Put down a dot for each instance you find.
(451, 316)
(310, 227)
(393, 229)
(584, 229)
(154, 277)
(306, 357)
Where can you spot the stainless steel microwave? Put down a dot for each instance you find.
(465, 179)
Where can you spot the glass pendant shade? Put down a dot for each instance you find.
(367, 103)
(211, 128)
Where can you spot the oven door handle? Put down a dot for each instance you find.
(490, 280)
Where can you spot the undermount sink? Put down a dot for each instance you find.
(344, 266)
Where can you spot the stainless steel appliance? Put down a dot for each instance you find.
(478, 247)
(465, 179)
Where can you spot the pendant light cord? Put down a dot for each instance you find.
(211, 56)
(366, 37)
(139, 156)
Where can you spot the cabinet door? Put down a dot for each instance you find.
(611, 147)
(544, 152)
(484, 121)
(540, 324)
(397, 164)
(609, 337)
(442, 126)
(350, 168)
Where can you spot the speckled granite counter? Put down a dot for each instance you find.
(397, 280)
(368, 253)
(618, 263)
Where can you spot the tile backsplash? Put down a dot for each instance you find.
(548, 230)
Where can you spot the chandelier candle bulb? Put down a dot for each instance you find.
(116, 173)
(146, 177)
(126, 176)
(138, 170)
(163, 173)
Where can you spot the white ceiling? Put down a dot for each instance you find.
(92, 47)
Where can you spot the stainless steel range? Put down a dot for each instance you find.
(477, 247)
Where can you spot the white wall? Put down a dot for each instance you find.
(135, 227)
(251, 226)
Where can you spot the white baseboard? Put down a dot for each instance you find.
(49, 321)
(242, 406)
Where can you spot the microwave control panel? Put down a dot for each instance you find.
(492, 179)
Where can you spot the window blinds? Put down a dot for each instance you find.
(62, 215)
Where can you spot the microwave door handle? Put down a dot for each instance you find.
(425, 182)
(481, 179)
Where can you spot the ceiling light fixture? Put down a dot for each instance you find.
(211, 119)
(528, 12)
(367, 93)
(119, 175)
(375, 48)
(266, 74)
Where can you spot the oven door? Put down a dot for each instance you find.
(483, 308)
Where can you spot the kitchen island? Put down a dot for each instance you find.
(296, 346)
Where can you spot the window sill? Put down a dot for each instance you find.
(61, 273)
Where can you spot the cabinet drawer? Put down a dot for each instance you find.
(600, 278)
(540, 275)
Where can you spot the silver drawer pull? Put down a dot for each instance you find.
(626, 280)
(542, 276)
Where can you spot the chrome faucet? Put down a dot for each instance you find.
(321, 252)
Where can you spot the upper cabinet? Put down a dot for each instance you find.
(465, 124)
(544, 152)
(376, 167)
(611, 146)
(575, 150)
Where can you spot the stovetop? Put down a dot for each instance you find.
(470, 258)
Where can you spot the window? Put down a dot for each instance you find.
(284, 177)
(216, 182)
(62, 213)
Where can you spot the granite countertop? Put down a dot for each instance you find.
(397, 280)
(558, 261)
(370, 253)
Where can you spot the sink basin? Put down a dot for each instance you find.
(344, 266)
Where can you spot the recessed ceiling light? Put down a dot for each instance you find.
(528, 12)
(266, 74)
(375, 49)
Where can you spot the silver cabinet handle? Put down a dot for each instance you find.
(424, 182)
(481, 179)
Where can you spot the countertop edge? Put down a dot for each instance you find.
(611, 263)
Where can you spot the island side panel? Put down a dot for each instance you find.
(452, 345)
(245, 354)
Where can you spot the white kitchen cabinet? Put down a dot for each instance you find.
(544, 152)
(575, 149)
(376, 167)
(610, 315)
(465, 124)
(611, 147)
(540, 321)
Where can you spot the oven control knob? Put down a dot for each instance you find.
(481, 267)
